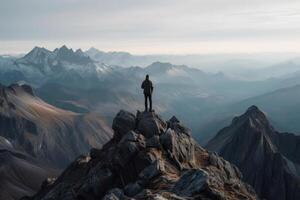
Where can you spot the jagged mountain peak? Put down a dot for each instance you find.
(7, 105)
(92, 49)
(17, 88)
(37, 53)
(65, 48)
(79, 52)
(160, 65)
(37, 48)
(254, 118)
(250, 129)
(253, 111)
(266, 157)
(148, 158)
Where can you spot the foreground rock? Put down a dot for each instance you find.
(269, 160)
(153, 159)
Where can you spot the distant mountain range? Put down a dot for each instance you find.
(56, 105)
(268, 159)
(93, 81)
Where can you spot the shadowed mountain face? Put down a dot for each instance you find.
(148, 158)
(268, 159)
(20, 174)
(52, 135)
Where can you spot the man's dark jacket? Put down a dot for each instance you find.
(147, 86)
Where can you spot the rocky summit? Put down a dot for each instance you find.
(147, 158)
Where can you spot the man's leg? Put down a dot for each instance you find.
(146, 102)
(150, 99)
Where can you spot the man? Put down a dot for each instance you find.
(148, 89)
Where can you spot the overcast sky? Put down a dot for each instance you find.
(152, 26)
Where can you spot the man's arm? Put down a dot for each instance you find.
(151, 87)
(143, 85)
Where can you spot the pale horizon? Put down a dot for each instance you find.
(152, 27)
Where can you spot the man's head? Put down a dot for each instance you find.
(147, 77)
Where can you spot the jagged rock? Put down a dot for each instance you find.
(175, 125)
(153, 142)
(155, 169)
(48, 182)
(173, 119)
(191, 182)
(114, 194)
(122, 123)
(132, 189)
(94, 153)
(149, 124)
(217, 161)
(28, 89)
(145, 164)
(128, 147)
(180, 147)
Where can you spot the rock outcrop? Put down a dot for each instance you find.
(269, 160)
(153, 159)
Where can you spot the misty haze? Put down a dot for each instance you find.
(160, 100)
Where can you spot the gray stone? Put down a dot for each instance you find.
(123, 123)
(181, 148)
(153, 170)
(114, 194)
(99, 182)
(153, 142)
(132, 189)
(150, 124)
(191, 182)
(126, 151)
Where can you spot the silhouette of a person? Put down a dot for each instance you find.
(147, 86)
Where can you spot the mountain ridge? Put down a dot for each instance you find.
(51, 134)
(266, 158)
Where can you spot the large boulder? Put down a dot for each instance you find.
(150, 124)
(175, 125)
(191, 182)
(128, 147)
(153, 170)
(122, 123)
(180, 148)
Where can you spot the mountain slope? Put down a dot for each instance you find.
(21, 174)
(267, 159)
(148, 158)
(53, 135)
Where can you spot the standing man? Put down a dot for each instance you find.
(148, 89)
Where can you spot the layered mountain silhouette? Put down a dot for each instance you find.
(52, 135)
(91, 81)
(148, 158)
(268, 160)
